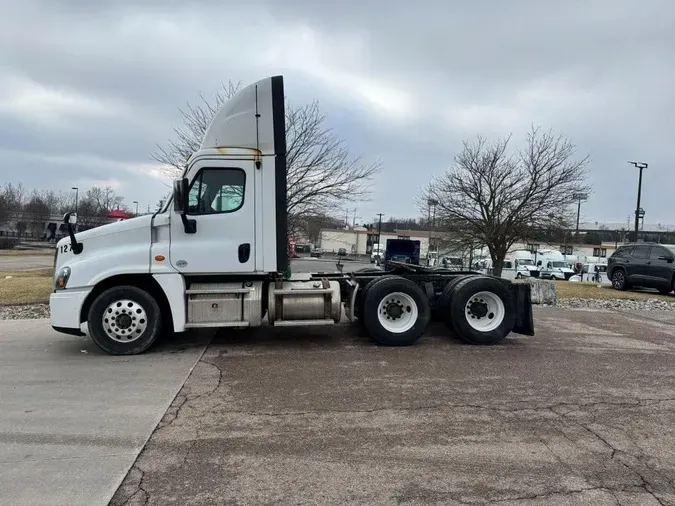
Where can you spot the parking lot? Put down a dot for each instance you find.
(582, 413)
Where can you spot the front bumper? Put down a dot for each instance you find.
(64, 310)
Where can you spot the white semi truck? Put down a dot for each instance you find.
(217, 256)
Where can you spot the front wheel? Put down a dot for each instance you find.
(124, 320)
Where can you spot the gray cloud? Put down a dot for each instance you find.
(88, 88)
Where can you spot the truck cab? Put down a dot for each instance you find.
(554, 265)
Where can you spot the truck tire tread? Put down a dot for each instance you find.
(377, 292)
(151, 333)
(463, 292)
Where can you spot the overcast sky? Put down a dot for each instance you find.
(88, 88)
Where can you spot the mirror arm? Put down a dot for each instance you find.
(190, 226)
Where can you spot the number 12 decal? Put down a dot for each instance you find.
(65, 248)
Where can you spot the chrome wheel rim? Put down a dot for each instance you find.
(124, 321)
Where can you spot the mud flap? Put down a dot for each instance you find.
(522, 305)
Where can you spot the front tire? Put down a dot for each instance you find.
(396, 311)
(482, 310)
(124, 320)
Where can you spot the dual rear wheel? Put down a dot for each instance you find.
(477, 309)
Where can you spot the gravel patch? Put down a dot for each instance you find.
(616, 304)
(29, 312)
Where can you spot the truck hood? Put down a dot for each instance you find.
(113, 228)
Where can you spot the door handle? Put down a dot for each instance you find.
(244, 252)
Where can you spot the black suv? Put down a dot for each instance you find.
(643, 264)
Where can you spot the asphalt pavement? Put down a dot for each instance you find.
(582, 413)
(73, 420)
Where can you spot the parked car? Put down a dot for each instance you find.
(643, 265)
(316, 253)
(342, 252)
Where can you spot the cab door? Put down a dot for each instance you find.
(221, 203)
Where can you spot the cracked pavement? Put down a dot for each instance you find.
(583, 413)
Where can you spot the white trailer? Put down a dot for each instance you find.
(217, 256)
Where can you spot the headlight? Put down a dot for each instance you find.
(61, 278)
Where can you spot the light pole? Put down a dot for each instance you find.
(430, 203)
(579, 197)
(136, 202)
(77, 194)
(641, 166)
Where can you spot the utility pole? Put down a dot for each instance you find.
(641, 166)
(136, 202)
(379, 228)
(354, 218)
(579, 197)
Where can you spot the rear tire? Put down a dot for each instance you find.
(445, 301)
(362, 296)
(482, 310)
(396, 311)
(124, 320)
(619, 280)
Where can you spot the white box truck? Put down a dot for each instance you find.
(217, 256)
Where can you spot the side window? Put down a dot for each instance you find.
(641, 252)
(657, 252)
(216, 191)
(508, 265)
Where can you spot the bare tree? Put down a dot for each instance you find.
(494, 198)
(321, 173)
(13, 198)
(96, 203)
(36, 214)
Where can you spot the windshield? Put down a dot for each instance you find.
(558, 264)
(526, 262)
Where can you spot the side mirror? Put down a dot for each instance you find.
(180, 195)
(668, 259)
(70, 218)
(180, 204)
